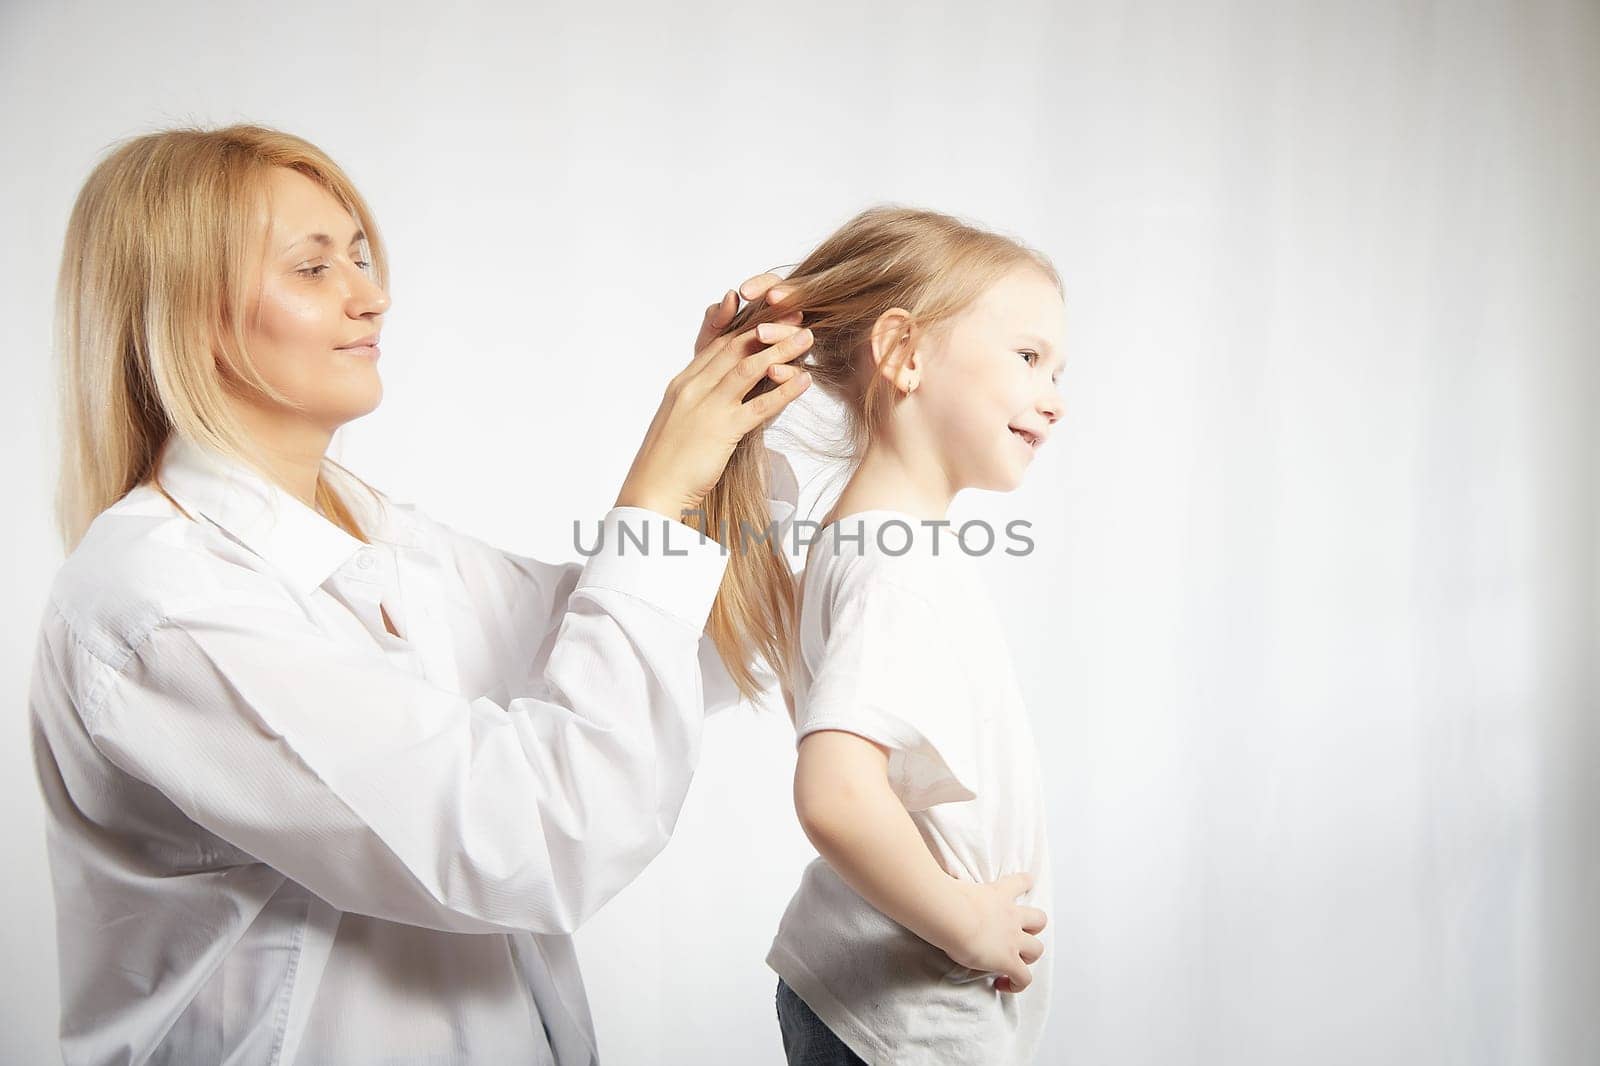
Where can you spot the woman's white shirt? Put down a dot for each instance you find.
(279, 833)
(900, 644)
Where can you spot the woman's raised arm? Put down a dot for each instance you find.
(389, 796)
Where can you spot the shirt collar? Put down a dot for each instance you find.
(259, 514)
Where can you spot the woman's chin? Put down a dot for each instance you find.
(354, 406)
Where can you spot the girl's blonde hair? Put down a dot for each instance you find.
(152, 296)
(928, 264)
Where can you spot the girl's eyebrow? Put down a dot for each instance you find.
(1043, 346)
(322, 239)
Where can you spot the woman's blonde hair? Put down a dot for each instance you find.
(152, 296)
(932, 266)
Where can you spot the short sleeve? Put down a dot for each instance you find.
(892, 670)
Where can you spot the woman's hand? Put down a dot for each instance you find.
(704, 414)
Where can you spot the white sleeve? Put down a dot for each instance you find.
(893, 671)
(518, 601)
(391, 797)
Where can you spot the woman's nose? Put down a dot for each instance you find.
(367, 297)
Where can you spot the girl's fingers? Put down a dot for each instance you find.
(781, 372)
(1019, 976)
(1033, 919)
(1032, 950)
(1014, 885)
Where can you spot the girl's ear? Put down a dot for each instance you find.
(894, 350)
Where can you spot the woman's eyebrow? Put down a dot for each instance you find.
(322, 239)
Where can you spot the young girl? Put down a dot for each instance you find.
(916, 779)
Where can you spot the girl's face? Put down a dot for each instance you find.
(988, 390)
(316, 312)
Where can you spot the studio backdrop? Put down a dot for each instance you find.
(1308, 631)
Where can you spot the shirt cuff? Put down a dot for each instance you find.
(657, 559)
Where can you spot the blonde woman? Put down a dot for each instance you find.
(914, 937)
(327, 781)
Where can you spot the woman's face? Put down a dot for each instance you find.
(988, 389)
(314, 319)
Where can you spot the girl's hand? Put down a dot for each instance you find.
(704, 413)
(1000, 933)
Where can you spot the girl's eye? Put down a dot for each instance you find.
(1029, 357)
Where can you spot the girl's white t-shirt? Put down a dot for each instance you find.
(899, 643)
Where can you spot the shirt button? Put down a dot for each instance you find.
(365, 560)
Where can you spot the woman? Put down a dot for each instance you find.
(325, 780)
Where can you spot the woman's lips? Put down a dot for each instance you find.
(366, 351)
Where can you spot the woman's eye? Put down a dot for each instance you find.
(1029, 357)
(318, 270)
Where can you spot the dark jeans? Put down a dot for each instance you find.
(806, 1041)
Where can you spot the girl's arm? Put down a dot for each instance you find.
(857, 823)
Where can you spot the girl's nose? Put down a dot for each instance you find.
(1051, 406)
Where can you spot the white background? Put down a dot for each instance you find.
(1310, 630)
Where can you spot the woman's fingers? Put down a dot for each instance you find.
(725, 364)
(716, 319)
(773, 332)
(1032, 949)
(1033, 919)
(767, 406)
(761, 285)
(719, 357)
(718, 315)
(712, 363)
(740, 378)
